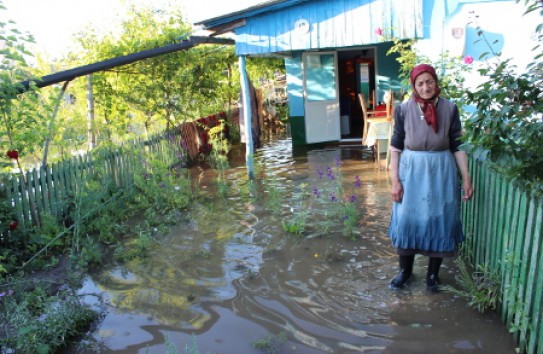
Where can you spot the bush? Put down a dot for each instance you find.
(507, 125)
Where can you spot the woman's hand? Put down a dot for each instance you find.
(467, 190)
(397, 191)
(462, 162)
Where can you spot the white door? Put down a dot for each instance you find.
(321, 99)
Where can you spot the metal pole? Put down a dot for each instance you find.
(246, 106)
(71, 74)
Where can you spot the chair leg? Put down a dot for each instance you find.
(378, 149)
(387, 162)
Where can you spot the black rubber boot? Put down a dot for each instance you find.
(406, 269)
(432, 278)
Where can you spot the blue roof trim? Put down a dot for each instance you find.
(249, 12)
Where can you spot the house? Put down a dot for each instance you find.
(334, 49)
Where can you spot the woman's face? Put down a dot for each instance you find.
(425, 85)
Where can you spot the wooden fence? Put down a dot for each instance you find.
(52, 189)
(503, 225)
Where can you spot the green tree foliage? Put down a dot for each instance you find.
(22, 117)
(506, 127)
(450, 69)
(156, 93)
(131, 101)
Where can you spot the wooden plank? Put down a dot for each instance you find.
(530, 257)
(524, 298)
(474, 209)
(25, 199)
(53, 196)
(500, 217)
(44, 189)
(118, 169)
(511, 258)
(536, 335)
(62, 185)
(481, 216)
(509, 206)
(14, 190)
(68, 187)
(468, 209)
(518, 263)
(489, 237)
(34, 187)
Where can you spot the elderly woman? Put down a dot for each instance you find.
(425, 189)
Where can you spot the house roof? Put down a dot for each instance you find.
(287, 26)
(219, 23)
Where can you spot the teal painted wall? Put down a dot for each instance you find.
(387, 71)
(295, 85)
(295, 89)
(297, 130)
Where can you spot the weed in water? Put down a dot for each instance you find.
(340, 204)
(481, 287)
(275, 194)
(38, 323)
(270, 344)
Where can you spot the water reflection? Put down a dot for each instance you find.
(228, 275)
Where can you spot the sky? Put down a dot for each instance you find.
(53, 22)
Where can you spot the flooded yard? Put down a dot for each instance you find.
(229, 279)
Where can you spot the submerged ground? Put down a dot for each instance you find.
(229, 279)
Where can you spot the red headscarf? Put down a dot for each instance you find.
(428, 106)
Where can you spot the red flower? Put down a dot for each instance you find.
(13, 225)
(379, 31)
(13, 154)
(468, 59)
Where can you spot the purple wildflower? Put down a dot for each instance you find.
(353, 198)
(316, 192)
(338, 162)
(357, 182)
(7, 293)
(333, 197)
(330, 173)
(319, 172)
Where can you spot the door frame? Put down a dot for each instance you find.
(322, 115)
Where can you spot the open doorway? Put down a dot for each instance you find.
(356, 73)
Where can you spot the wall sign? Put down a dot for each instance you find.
(301, 26)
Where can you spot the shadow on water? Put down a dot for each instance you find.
(229, 279)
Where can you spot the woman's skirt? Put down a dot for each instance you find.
(427, 220)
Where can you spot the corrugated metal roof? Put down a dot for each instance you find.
(249, 12)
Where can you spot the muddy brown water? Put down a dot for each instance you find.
(228, 279)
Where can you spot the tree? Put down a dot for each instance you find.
(157, 93)
(23, 117)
